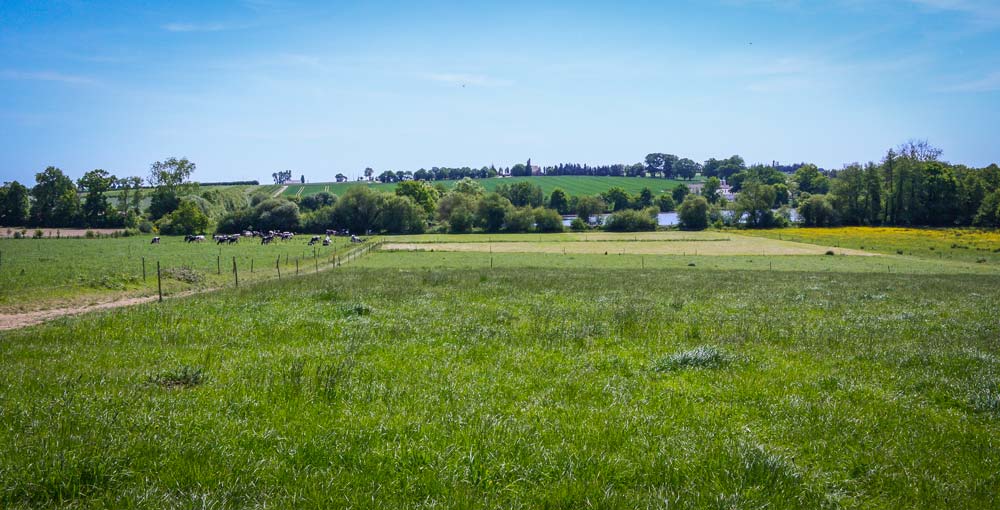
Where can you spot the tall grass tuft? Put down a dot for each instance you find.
(704, 356)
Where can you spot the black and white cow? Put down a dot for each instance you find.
(156, 240)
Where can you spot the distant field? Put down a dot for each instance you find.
(572, 184)
(939, 244)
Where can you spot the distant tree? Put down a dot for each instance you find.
(469, 187)
(187, 218)
(492, 212)
(711, 189)
(56, 203)
(685, 168)
(547, 220)
(679, 192)
(631, 220)
(754, 205)
(340, 177)
(314, 202)
(654, 163)
(302, 179)
(559, 201)
(398, 214)
(665, 203)
(816, 211)
(369, 173)
(171, 179)
(522, 194)
(693, 213)
(357, 210)
(130, 194)
(644, 199)
(519, 219)
(988, 214)
(387, 176)
(14, 204)
(617, 197)
(97, 210)
(424, 194)
(588, 206)
(810, 180)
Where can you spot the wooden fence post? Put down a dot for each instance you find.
(296, 266)
(236, 274)
(277, 265)
(159, 286)
(144, 269)
(251, 266)
(218, 264)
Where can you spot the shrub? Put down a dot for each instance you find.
(630, 220)
(548, 220)
(519, 220)
(578, 225)
(146, 226)
(90, 234)
(39, 233)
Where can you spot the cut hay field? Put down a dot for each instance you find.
(939, 244)
(571, 184)
(515, 388)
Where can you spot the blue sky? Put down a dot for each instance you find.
(246, 88)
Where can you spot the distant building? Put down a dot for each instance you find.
(695, 188)
(537, 170)
(503, 172)
(341, 178)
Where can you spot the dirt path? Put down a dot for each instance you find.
(280, 191)
(24, 319)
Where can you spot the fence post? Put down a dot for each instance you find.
(296, 266)
(251, 266)
(316, 261)
(159, 286)
(236, 274)
(144, 269)
(277, 265)
(218, 264)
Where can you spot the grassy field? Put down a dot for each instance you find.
(470, 379)
(571, 184)
(41, 273)
(938, 244)
(516, 388)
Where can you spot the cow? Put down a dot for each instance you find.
(326, 242)
(266, 239)
(356, 239)
(156, 240)
(314, 240)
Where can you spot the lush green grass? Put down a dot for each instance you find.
(571, 184)
(981, 246)
(39, 273)
(516, 388)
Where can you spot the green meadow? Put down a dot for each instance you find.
(574, 185)
(465, 379)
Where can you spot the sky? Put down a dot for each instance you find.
(246, 88)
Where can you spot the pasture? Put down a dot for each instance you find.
(515, 379)
(42, 273)
(515, 388)
(577, 185)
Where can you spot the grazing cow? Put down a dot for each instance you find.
(156, 240)
(235, 238)
(266, 239)
(326, 242)
(356, 239)
(220, 239)
(199, 239)
(314, 240)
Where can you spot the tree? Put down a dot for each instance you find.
(631, 220)
(56, 203)
(357, 210)
(547, 220)
(693, 213)
(810, 180)
(171, 179)
(665, 203)
(14, 204)
(129, 194)
(559, 201)
(302, 179)
(399, 214)
(387, 176)
(711, 189)
(96, 208)
(685, 168)
(816, 211)
(754, 204)
(617, 197)
(369, 173)
(188, 218)
(469, 187)
(989, 211)
(522, 194)
(314, 202)
(654, 163)
(276, 214)
(644, 199)
(491, 213)
(519, 220)
(423, 194)
(679, 192)
(587, 206)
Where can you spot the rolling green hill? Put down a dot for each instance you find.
(572, 184)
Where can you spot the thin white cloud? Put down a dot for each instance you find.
(468, 79)
(988, 83)
(983, 11)
(46, 76)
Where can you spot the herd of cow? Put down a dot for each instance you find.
(266, 237)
